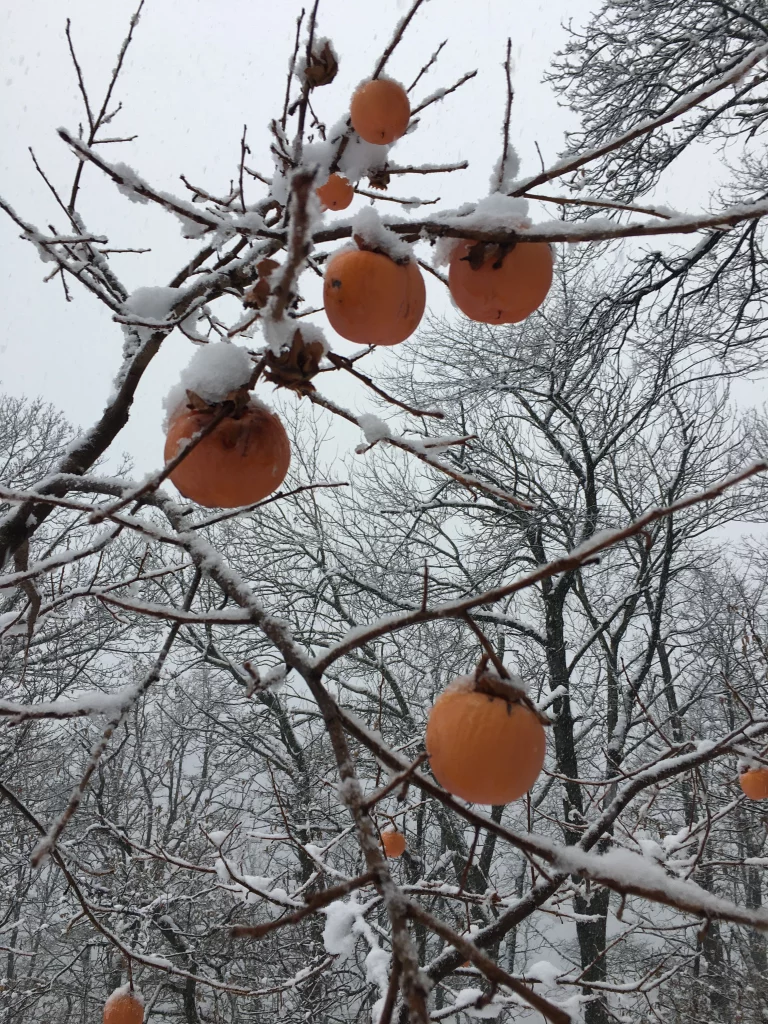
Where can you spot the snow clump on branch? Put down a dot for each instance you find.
(495, 212)
(369, 227)
(213, 372)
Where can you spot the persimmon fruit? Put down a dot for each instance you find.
(484, 748)
(754, 783)
(336, 194)
(492, 286)
(372, 300)
(244, 458)
(393, 843)
(380, 111)
(122, 1007)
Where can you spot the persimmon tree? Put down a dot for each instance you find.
(221, 845)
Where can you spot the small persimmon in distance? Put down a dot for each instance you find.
(380, 111)
(123, 1007)
(372, 300)
(754, 783)
(243, 459)
(494, 284)
(336, 193)
(484, 748)
(393, 843)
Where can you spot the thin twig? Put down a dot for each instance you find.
(277, 496)
(435, 273)
(394, 782)
(603, 204)
(284, 117)
(298, 141)
(681, 106)
(101, 117)
(490, 969)
(426, 67)
(487, 646)
(507, 114)
(343, 363)
(470, 858)
(314, 903)
(243, 150)
(48, 843)
(413, 203)
(80, 81)
(465, 479)
(428, 168)
(400, 28)
(440, 94)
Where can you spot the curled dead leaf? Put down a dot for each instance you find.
(257, 295)
(379, 178)
(322, 66)
(295, 367)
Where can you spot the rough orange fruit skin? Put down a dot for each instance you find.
(124, 1009)
(506, 294)
(380, 111)
(482, 748)
(242, 461)
(393, 843)
(754, 783)
(370, 299)
(336, 193)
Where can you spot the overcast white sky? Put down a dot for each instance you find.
(196, 72)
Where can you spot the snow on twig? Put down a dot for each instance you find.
(440, 94)
(400, 28)
(133, 186)
(91, 704)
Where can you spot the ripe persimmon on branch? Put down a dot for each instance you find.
(137, 555)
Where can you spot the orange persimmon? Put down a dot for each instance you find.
(484, 748)
(336, 193)
(243, 459)
(372, 300)
(754, 783)
(123, 1007)
(494, 286)
(380, 111)
(393, 843)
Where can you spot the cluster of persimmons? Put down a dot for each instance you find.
(485, 739)
(371, 298)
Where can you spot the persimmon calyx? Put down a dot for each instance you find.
(379, 249)
(493, 686)
(238, 399)
(478, 254)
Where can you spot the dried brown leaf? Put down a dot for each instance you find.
(322, 66)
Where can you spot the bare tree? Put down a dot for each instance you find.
(214, 714)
